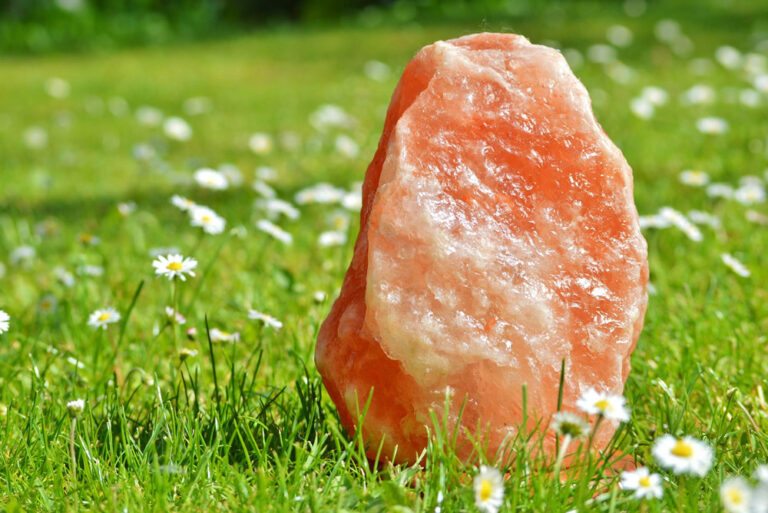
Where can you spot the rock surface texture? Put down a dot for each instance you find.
(498, 237)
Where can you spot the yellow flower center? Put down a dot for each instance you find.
(602, 405)
(682, 449)
(206, 219)
(645, 481)
(174, 266)
(735, 496)
(104, 316)
(486, 489)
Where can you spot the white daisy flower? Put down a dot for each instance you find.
(90, 270)
(332, 238)
(5, 322)
(376, 70)
(736, 495)
(263, 189)
(65, 277)
(720, 190)
(642, 108)
(22, 255)
(275, 231)
(685, 455)
(655, 95)
(619, 35)
(260, 143)
(267, 319)
(182, 203)
(218, 335)
(612, 407)
(346, 146)
(177, 129)
(101, 318)
(699, 94)
(126, 208)
(149, 116)
(749, 194)
(601, 54)
(186, 352)
(735, 265)
(319, 193)
(353, 200)
(174, 316)
(175, 265)
(75, 408)
(643, 483)
(705, 218)
(274, 207)
(729, 57)
(196, 105)
(207, 219)
(566, 423)
(232, 173)
(57, 88)
(47, 304)
(330, 116)
(266, 173)
(211, 179)
(681, 222)
(319, 296)
(35, 138)
(694, 178)
(489, 489)
(712, 125)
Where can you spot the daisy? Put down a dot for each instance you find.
(694, 178)
(174, 316)
(218, 335)
(177, 129)
(267, 319)
(186, 352)
(260, 143)
(149, 116)
(57, 88)
(332, 238)
(619, 35)
(352, 200)
(5, 321)
(720, 190)
(330, 116)
(643, 483)
(642, 108)
(22, 255)
(263, 189)
(489, 490)
(211, 179)
(196, 105)
(612, 407)
(699, 95)
(735, 265)
(182, 203)
(275, 231)
(685, 455)
(712, 125)
(208, 220)
(319, 193)
(376, 70)
(655, 95)
(75, 408)
(736, 495)
(274, 207)
(565, 423)
(347, 147)
(47, 304)
(175, 265)
(101, 318)
(749, 194)
(126, 208)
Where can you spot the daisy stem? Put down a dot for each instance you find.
(175, 310)
(560, 455)
(681, 485)
(74, 460)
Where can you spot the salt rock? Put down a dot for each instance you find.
(498, 238)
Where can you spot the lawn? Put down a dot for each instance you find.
(173, 422)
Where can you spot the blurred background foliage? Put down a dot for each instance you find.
(39, 26)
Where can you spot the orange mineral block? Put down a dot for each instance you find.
(498, 238)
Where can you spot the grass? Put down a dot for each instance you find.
(247, 426)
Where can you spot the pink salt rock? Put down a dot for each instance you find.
(498, 237)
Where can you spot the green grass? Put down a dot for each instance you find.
(259, 433)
